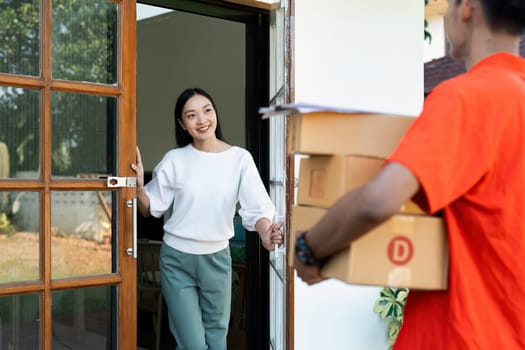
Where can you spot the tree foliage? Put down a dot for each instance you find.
(83, 48)
(427, 35)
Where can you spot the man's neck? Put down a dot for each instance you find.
(486, 43)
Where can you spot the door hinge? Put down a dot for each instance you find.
(116, 181)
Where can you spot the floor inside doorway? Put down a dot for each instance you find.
(146, 334)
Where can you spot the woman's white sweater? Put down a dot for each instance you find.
(202, 189)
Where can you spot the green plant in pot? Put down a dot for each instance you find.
(390, 306)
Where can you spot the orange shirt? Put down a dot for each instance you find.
(467, 150)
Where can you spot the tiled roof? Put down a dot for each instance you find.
(443, 68)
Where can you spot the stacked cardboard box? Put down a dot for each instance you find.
(344, 152)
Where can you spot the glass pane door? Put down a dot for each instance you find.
(67, 123)
(278, 183)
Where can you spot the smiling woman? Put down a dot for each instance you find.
(202, 180)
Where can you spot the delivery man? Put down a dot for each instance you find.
(464, 156)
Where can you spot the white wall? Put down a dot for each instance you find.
(336, 316)
(364, 55)
(436, 47)
(177, 50)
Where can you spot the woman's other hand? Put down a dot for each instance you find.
(272, 236)
(138, 168)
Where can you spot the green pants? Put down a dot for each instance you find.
(197, 290)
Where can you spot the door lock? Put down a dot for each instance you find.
(116, 181)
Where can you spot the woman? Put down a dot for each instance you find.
(202, 180)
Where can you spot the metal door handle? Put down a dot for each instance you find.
(132, 203)
(278, 252)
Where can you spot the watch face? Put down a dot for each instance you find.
(301, 256)
(303, 252)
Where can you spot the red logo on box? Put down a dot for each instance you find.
(400, 250)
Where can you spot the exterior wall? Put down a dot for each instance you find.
(436, 47)
(434, 12)
(351, 64)
(361, 66)
(334, 315)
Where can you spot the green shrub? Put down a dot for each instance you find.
(6, 228)
(391, 306)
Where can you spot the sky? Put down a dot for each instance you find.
(146, 11)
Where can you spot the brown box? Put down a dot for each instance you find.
(337, 133)
(323, 179)
(408, 251)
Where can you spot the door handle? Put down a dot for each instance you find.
(116, 181)
(132, 203)
(279, 251)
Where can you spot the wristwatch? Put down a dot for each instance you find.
(304, 253)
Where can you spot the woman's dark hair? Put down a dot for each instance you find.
(505, 15)
(183, 138)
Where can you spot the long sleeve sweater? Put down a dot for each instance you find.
(203, 189)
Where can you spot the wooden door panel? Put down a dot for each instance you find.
(67, 121)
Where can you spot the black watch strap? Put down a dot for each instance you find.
(304, 253)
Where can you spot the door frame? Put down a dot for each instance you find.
(257, 39)
(127, 155)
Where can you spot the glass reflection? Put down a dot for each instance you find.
(81, 318)
(82, 233)
(19, 322)
(19, 133)
(84, 40)
(19, 236)
(20, 37)
(83, 135)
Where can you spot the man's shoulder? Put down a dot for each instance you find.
(468, 85)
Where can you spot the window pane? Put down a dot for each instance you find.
(277, 50)
(81, 318)
(82, 233)
(19, 37)
(19, 322)
(84, 40)
(19, 236)
(19, 133)
(83, 134)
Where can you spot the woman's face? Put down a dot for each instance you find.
(199, 118)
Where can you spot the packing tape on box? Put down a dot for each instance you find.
(403, 225)
(399, 276)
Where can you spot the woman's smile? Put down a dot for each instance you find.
(203, 129)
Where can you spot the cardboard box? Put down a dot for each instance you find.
(337, 133)
(408, 251)
(323, 179)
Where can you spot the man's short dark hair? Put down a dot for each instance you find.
(505, 15)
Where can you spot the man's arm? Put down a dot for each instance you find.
(356, 213)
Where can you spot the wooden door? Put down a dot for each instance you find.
(67, 123)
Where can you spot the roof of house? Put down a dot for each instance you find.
(443, 68)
